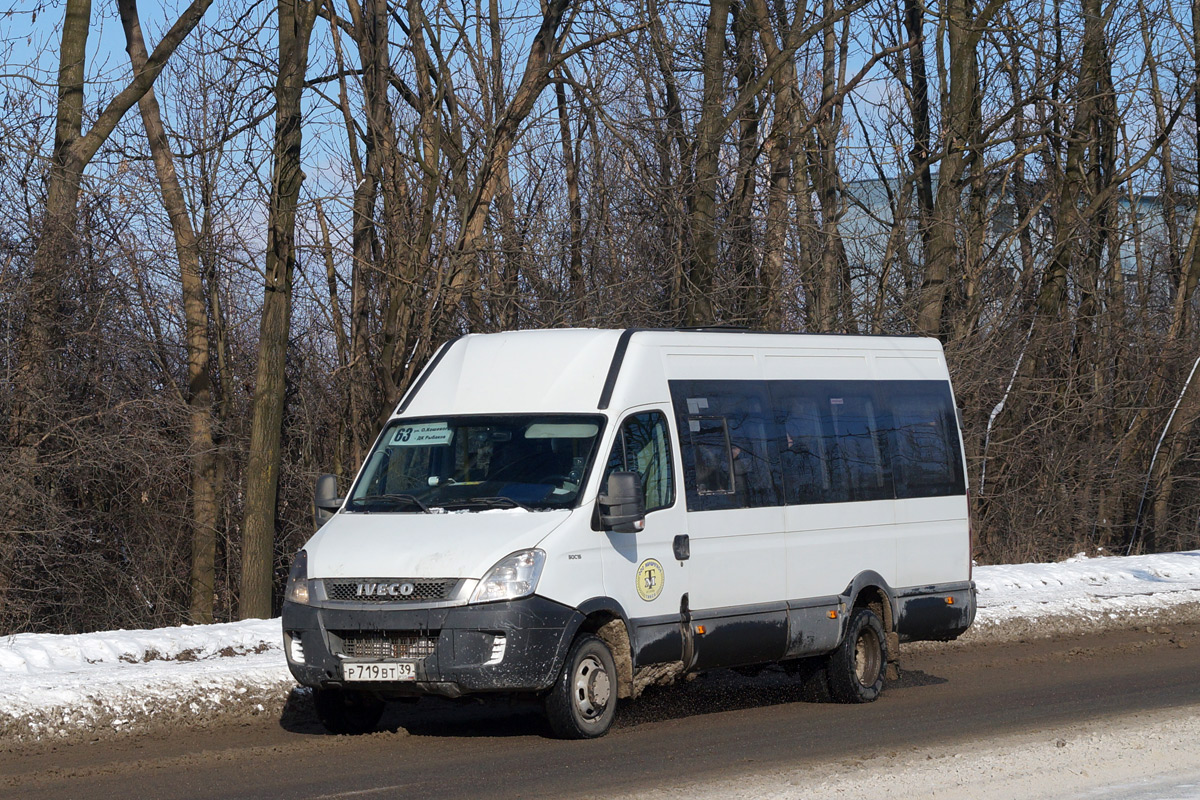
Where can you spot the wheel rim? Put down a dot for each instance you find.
(593, 687)
(867, 657)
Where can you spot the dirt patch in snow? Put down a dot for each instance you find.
(143, 715)
(1053, 626)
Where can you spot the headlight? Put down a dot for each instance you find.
(514, 576)
(297, 585)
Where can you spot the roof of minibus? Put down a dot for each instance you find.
(578, 370)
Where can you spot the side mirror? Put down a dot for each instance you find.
(623, 507)
(325, 499)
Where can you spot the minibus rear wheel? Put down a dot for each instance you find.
(856, 668)
(341, 711)
(583, 701)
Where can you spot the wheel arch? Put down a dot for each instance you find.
(604, 618)
(870, 590)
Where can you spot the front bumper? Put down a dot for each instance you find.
(456, 645)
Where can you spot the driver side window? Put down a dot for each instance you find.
(643, 446)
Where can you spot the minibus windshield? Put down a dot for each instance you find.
(477, 463)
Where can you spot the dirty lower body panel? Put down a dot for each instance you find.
(935, 613)
(448, 651)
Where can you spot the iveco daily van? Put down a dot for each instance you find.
(576, 514)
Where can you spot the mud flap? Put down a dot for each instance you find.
(685, 628)
(892, 671)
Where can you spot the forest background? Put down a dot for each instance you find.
(233, 232)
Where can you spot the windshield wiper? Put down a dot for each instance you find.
(390, 498)
(496, 501)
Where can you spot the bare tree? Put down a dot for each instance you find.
(73, 149)
(296, 19)
(199, 392)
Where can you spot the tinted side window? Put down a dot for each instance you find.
(714, 454)
(926, 457)
(859, 463)
(729, 458)
(643, 446)
(806, 445)
(832, 441)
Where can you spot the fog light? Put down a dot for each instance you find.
(295, 648)
(499, 643)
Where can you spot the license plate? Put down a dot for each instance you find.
(376, 671)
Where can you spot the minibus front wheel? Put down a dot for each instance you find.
(856, 668)
(583, 701)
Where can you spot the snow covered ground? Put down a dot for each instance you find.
(96, 684)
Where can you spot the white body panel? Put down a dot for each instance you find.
(739, 557)
(452, 545)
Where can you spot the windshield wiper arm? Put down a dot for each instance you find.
(391, 498)
(495, 501)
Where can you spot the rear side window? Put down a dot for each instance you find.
(926, 458)
(643, 445)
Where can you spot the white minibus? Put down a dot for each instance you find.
(577, 514)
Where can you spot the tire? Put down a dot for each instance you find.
(583, 701)
(856, 668)
(341, 711)
(813, 675)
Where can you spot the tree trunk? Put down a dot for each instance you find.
(958, 119)
(359, 377)
(920, 155)
(576, 290)
(831, 289)
(296, 19)
(195, 309)
(338, 323)
(673, 184)
(784, 181)
(699, 309)
(741, 215)
(39, 336)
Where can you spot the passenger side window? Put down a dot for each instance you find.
(858, 464)
(806, 452)
(728, 457)
(832, 441)
(714, 455)
(749, 444)
(643, 445)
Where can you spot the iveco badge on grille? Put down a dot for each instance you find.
(394, 589)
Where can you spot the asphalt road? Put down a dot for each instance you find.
(717, 726)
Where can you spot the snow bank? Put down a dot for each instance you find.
(54, 686)
(93, 684)
(1085, 594)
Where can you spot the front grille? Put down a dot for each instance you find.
(387, 644)
(388, 590)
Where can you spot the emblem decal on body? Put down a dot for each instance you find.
(650, 579)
